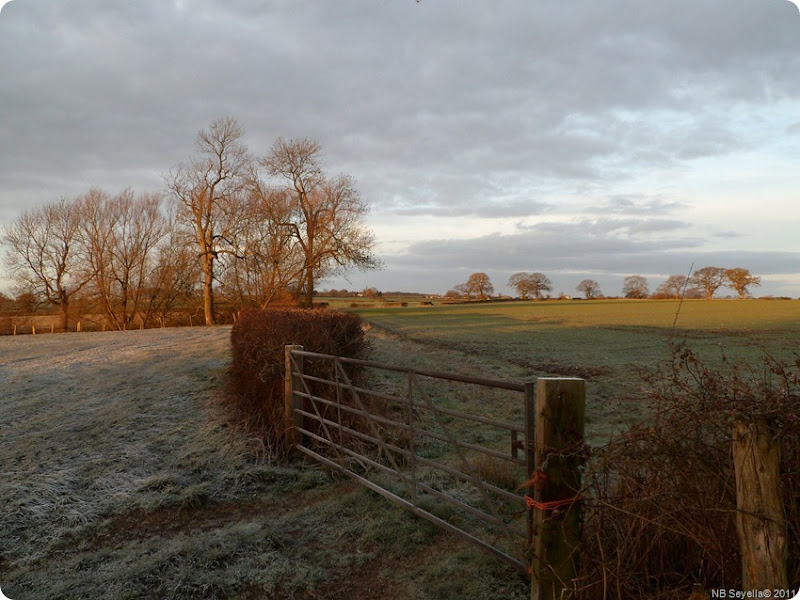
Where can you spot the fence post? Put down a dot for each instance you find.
(559, 443)
(760, 519)
(292, 381)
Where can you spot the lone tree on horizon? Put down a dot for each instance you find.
(590, 288)
(740, 279)
(479, 284)
(709, 279)
(635, 286)
(530, 284)
(673, 286)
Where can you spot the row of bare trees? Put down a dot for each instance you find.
(120, 252)
(702, 283)
(261, 228)
(274, 222)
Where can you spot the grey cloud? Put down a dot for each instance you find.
(609, 228)
(474, 87)
(566, 253)
(555, 246)
(639, 227)
(637, 204)
(488, 209)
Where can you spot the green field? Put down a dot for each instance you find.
(607, 342)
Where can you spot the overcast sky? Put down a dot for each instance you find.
(583, 139)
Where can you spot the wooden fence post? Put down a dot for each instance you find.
(760, 517)
(292, 381)
(559, 455)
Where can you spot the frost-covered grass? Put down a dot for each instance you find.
(119, 478)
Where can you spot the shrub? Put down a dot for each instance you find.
(255, 383)
(661, 500)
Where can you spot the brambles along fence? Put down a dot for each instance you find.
(508, 486)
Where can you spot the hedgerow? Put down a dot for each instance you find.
(255, 384)
(660, 509)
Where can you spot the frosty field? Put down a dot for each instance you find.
(121, 479)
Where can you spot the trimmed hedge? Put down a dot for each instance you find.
(256, 375)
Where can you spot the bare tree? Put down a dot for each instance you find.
(709, 279)
(271, 263)
(121, 235)
(635, 286)
(740, 279)
(45, 256)
(590, 288)
(209, 192)
(530, 284)
(174, 278)
(479, 283)
(463, 290)
(673, 286)
(327, 214)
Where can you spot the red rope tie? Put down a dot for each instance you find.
(552, 505)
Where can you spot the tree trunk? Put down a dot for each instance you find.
(208, 289)
(64, 311)
(308, 301)
(308, 249)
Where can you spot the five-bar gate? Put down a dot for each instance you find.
(439, 452)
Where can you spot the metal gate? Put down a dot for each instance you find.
(459, 469)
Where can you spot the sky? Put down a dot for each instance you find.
(584, 139)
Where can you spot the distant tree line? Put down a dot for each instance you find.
(251, 229)
(702, 283)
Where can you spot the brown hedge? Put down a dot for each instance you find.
(256, 375)
(660, 508)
